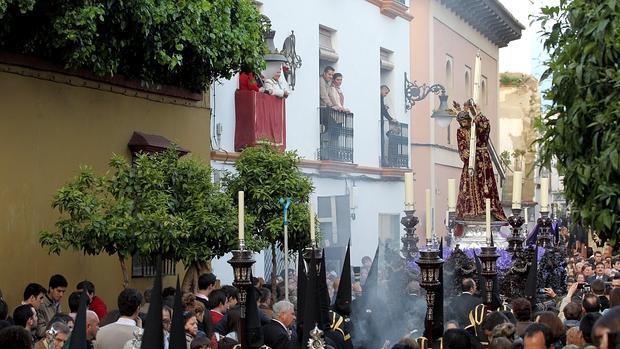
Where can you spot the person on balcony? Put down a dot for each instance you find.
(325, 83)
(384, 108)
(335, 93)
(394, 126)
(277, 85)
(249, 82)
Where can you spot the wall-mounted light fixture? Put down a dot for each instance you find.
(415, 93)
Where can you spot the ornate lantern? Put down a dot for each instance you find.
(430, 265)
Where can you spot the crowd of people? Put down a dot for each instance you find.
(587, 316)
(211, 316)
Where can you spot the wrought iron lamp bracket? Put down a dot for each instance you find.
(415, 93)
(293, 59)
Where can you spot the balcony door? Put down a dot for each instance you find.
(334, 215)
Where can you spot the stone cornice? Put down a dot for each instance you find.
(392, 8)
(489, 17)
(326, 166)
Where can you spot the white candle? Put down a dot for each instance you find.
(525, 215)
(451, 195)
(409, 201)
(429, 225)
(241, 215)
(544, 195)
(517, 180)
(312, 233)
(488, 217)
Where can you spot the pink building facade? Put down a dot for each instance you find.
(445, 38)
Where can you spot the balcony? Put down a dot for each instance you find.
(336, 135)
(259, 117)
(394, 144)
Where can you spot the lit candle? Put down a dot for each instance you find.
(409, 201)
(429, 225)
(488, 217)
(451, 195)
(312, 233)
(241, 215)
(517, 180)
(544, 195)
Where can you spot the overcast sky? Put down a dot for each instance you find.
(517, 56)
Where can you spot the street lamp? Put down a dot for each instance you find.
(441, 115)
(415, 93)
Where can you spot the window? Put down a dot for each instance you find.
(467, 82)
(484, 91)
(143, 267)
(216, 176)
(449, 75)
(334, 216)
(334, 213)
(327, 50)
(386, 72)
(389, 230)
(386, 59)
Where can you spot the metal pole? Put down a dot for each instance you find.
(285, 204)
(285, 260)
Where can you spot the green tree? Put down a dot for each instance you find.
(265, 174)
(181, 43)
(582, 127)
(157, 205)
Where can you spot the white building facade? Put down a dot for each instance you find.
(368, 43)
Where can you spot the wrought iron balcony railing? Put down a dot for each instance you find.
(336, 135)
(394, 144)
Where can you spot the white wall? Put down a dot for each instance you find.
(361, 30)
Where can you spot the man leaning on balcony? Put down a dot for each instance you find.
(325, 83)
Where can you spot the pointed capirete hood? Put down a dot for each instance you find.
(370, 288)
(153, 337)
(312, 304)
(302, 280)
(532, 277)
(343, 296)
(177, 328)
(324, 295)
(78, 335)
(253, 335)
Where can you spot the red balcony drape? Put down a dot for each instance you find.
(259, 116)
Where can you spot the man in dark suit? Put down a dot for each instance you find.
(599, 273)
(464, 303)
(277, 333)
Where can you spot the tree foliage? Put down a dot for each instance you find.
(582, 127)
(181, 43)
(159, 204)
(265, 174)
